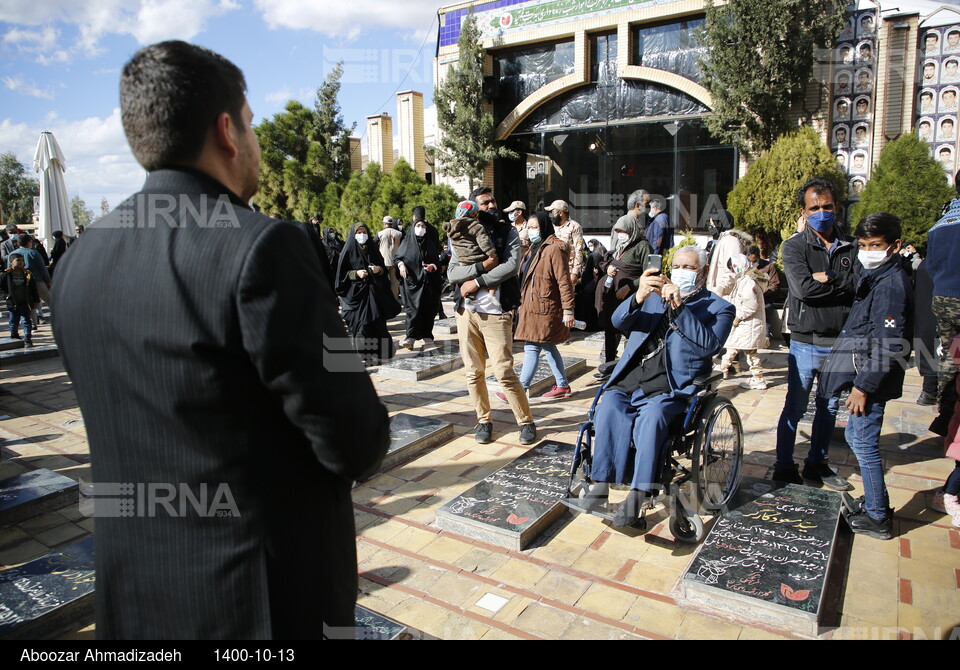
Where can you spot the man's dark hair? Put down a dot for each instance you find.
(24, 240)
(819, 186)
(58, 234)
(171, 94)
(11, 229)
(477, 192)
(882, 225)
(753, 250)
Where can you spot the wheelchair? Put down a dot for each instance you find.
(701, 465)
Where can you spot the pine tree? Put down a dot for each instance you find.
(330, 131)
(17, 190)
(467, 143)
(764, 202)
(81, 215)
(908, 183)
(761, 57)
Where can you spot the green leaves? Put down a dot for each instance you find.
(761, 55)
(17, 190)
(467, 144)
(908, 183)
(764, 201)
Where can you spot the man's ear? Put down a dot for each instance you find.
(225, 135)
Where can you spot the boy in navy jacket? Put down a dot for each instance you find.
(869, 359)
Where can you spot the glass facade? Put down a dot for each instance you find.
(596, 168)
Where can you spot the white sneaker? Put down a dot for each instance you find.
(755, 384)
(408, 344)
(952, 505)
(937, 504)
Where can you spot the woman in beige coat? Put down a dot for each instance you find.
(749, 331)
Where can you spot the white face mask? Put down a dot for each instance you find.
(513, 216)
(419, 231)
(872, 259)
(362, 238)
(686, 280)
(622, 237)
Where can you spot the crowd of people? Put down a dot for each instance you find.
(26, 277)
(224, 359)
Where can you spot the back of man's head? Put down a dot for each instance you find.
(11, 230)
(24, 240)
(171, 95)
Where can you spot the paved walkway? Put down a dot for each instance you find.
(582, 578)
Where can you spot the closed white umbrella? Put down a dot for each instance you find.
(55, 211)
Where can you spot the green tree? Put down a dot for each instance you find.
(440, 202)
(330, 131)
(761, 57)
(81, 215)
(17, 191)
(467, 143)
(302, 150)
(104, 208)
(397, 192)
(908, 183)
(358, 195)
(764, 202)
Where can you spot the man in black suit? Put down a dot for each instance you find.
(193, 329)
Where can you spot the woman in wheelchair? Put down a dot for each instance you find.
(675, 329)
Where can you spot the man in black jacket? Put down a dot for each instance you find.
(205, 388)
(819, 263)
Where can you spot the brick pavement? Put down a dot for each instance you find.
(582, 579)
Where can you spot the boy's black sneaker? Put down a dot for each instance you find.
(484, 433)
(14, 336)
(788, 475)
(862, 523)
(821, 473)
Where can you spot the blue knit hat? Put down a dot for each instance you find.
(467, 208)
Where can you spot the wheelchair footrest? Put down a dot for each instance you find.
(588, 506)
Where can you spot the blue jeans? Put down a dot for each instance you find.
(863, 436)
(531, 359)
(803, 367)
(15, 315)
(619, 418)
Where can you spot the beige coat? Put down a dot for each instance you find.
(747, 297)
(720, 279)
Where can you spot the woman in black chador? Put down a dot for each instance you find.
(365, 296)
(418, 262)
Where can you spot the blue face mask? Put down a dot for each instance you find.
(534, 236)
(686, 280)
(822, 221)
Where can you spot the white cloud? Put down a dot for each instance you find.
(348, 19)
(20, 85)
(99, 162)
(277, 97)
(147, 20)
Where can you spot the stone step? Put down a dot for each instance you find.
(411, 435)
(50, 596)
(33, 493)
(771, 556)
(10, 344)
(373, 626)
(543, 379)
(27, 354)
(512, 506)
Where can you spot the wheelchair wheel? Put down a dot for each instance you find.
(686, 529)
(717, 454)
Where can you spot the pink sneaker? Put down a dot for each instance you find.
(557, 392)
(952, 505)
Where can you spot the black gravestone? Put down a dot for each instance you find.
(843, 414)
(513, 505)
(446, 326)
(423, 365)
(768, 555)
(410, 435)
(373, 626)
(50, 596)
(33, 493)
(543, 379)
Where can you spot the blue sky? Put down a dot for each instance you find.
(60, 62)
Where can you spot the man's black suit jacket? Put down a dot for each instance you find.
(194, 330)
